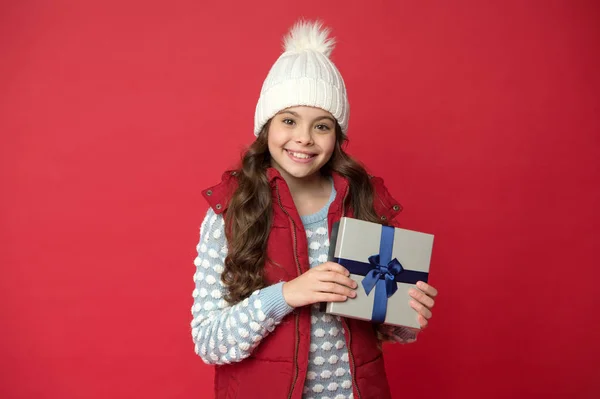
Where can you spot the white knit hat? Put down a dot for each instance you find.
(304, 75)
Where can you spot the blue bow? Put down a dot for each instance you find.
(382, 276)
(387, 273)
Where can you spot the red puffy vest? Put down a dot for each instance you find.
(277, 368)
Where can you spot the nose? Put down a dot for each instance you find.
(302, 135)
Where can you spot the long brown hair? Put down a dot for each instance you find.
(249, 214)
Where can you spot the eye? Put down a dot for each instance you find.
(323, 127)
(288, 121)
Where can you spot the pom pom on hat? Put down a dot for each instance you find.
(309, 36)
(304, 76)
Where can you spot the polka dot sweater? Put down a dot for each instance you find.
(328, 374)
(224, 334)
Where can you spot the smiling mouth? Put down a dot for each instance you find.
(300, 155)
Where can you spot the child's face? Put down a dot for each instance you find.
(301, 140)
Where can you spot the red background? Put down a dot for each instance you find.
(482, 117)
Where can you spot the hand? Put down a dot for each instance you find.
(423, 301)
(328, 282)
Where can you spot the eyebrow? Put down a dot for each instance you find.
(316, 119)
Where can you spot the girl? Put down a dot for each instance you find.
(262, 257)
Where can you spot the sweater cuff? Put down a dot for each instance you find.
(273, 303)
(407, 334)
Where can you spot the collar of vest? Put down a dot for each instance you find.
(219, 195)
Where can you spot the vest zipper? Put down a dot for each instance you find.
(351, 356)
(347, 326)
(296, 316)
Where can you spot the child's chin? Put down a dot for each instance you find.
(301, 174)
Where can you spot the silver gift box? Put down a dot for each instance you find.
(356, 240)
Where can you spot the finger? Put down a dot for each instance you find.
(422, 310)
(337, 278)
(328, 297)
(336, 289)
(428, 289)
(333, 267)
(423, 322)
(421, 297)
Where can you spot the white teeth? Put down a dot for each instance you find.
(300, 155)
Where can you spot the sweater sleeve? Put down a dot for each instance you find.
(224, 333)
(403, 335)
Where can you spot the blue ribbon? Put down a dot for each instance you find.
(382, 273)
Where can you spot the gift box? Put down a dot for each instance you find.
(385, 262)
